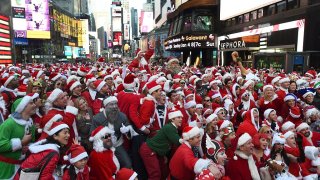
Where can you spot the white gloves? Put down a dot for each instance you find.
(124, 129)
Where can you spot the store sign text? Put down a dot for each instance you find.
(190, 41)
(232, 45)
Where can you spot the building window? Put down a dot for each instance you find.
(281, 6)
(246, 17)
(260, 13)
(176, 21)
(228, 23)
(292, 4)
(272, 9)
(171, 28)
(187, 23)
(240, 19)
(202, 23)
(162, 3)
(179, 25)
(233, 21)
(253, 15)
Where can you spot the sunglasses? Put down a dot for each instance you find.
(246, 95)
(222, 112)
(106, 136)
(182, 83)
(268, 132)
(207, 100)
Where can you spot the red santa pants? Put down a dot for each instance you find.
(152, 162)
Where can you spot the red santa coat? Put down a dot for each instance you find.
(81, 175)
(103, 165)
(187, 118)
(35, 158)
(129, 103)
(246, 106)
(69, 116)
(97, 105)
(281, 93)
(314, 138)
(157, 125)
(263, 105)
(294, 167)
(247, 125)
(9, 101)
(238, 169)
(147, 111)
(183, 163)
(89, 96)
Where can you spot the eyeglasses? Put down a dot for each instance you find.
(106, 136)
(207, 100)
(246, 95)
(182, 83)
(35, 100)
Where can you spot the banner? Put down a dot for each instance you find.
(5, 42)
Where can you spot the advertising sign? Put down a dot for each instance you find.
(190, 41)
(5, 42)
(146, 22)
(126, 35)
(20, 41)
(33, 17)
(243, 42)
(67, 50)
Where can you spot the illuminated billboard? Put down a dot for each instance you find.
(232, 8)
(31, 18)
(146, 22)
(5, 42)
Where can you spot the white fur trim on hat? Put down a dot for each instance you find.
(54, 95)
(302, 126)
(225, 124)
(288, 134)
(310, 112)
(274, 80)
(267, 113)
(161, 79)
(151, 90)
(243, 139)
(190, 104)
(24, 102)
(190, 134)
(200, 165)
(74, 85)
(175, 114)
(211, 118)
(216, 95)
(287, 125)
(278, 138)
(57, 128)
(283, 80)
(267, 86)
(100, 85)
(48, 125)
(289, 97)
(39, 73)
(56, 77)
(133, 176)
(109, 99)
(311, 152)
(108, 76)
(246, 85)
(8, 81)
(101, 133)
(307, 93)
(79, 157)
(198, 106)
(90, 81)
(218, 109)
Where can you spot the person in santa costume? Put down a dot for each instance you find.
(283, 89)
(90, 93)
(141, 61)
(243, 149)
(260, 142)
(15, 135)
(58, 103)
(102, 90)
(161, 115)
(126, 174)
(185, 163)
(102, 161)
(270, 120)
(244, 103)
(47, 151)
(9, 94)
(74, 88)
(288, 126)
(189, 115)
(250, 124)
(269, 100)
(117, 122)
(78, 169)
(312, 137)
(154, 151)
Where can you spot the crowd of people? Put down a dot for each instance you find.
(142, 121)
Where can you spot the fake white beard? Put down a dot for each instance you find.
(3, 106)
(143, 61)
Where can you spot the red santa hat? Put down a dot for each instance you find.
(288, 134)
(100, 132)
(72, 78)
(75, 153)
(48, 125)
(218, 109)
(89, 79)
(247, 84)
(311, 110)
(153, 86)
(173, 113)
(287, 125)
(109, 100)
(52, 96)
(283, 80)
(267, 86)
(129, 81)
(126, 174)
(101, 60)
(245, 137)
(267, 113)
(57, 126)
(82, 71)
(274, 80)
(99, 84)
(211, 118)
(205, 174)
(223, 124)
(7, 80)
(54, 76)
(216, 94)
(190, 104)
(22, 90)
(278, 138)
(36, 74)
(311, 73)
(302, 126)
(294, 112)
(73, 84)
(190, 132)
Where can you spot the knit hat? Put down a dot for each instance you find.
(287, 125)
(54, 95)
(211, 118)
(21, 103)
(126, 174)
(190, 132)
(109, 100)
(99, 84)
(57, 126)
(256, 139)
(302, 126)
(99, 132)
(278, 138)
(129, 81)
(267, 113)
(294, 112)
(190, 104)
(153, 86)
(48, 125)
(173, 113)
(75, 153)
(290, 96)
(73, 84)
(213, 148)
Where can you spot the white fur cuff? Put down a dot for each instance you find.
(16, 144)
(72, 110)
